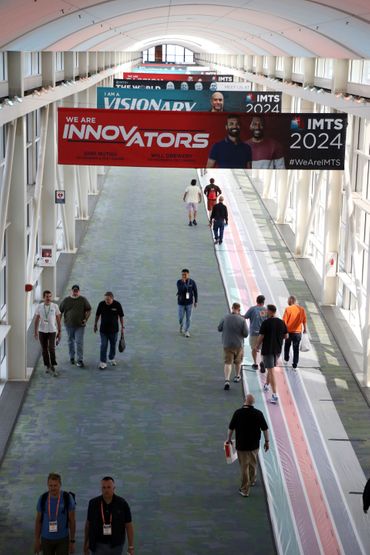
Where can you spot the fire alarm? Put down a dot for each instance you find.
(28, 287)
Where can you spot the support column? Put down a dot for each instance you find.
(340, 76)
(309, 71)
(302, 211)
(69, 208)
(83, 174)
(48, 208)
(283, 196)
(331, 235)
(16, 73)
(16, 260)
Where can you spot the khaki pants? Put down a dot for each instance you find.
(248, 468)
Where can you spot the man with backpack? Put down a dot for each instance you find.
(212, 191)
(55, 525)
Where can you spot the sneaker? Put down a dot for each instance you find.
(243, 494)
(274, 399)
(187, 334)
(195, 222)
(113, 362)
(253, 483)
(236, 379)
(54, 372)
(47, 370)
(102, 366)
(181, 330)
(220, 242)
(216, 241)
(227, 385)
(255, 366)
(262, 367)
(294, 366)
(72, 360)
(266, 387)
(190, 223)
(80, 363)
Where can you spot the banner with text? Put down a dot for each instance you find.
(171, 76)
(188, 101)
(199, 140)
(183, 85)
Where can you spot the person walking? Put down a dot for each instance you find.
(76, 310)
(212, 192)
(108, 521)
(219, 218)
(256, 315)
(295, 319)
(192, 197)
(48, 329)
(187, 297)
(272, 334)
(234, 330)
(55, 524)
(248, 423)
(111, 313)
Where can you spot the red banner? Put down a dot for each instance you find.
(171, 76)
(200, 139)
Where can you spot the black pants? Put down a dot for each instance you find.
(47, 341)
(293, 339)
(55, 547)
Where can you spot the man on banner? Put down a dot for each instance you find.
(248, 423)
(231, 152)
(217, 102)
(267, 153)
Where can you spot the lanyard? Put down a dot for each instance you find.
(57, 509)
(47, 313)
(102, 514)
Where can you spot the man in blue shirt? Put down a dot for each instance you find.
(187, 296)
(256, 315)
(55, 525)
(231, 152)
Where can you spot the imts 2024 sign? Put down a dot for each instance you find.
(199, 140)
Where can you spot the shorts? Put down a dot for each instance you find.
(211, 203)
(192, 206)
(270, 360)
(253, 341)
(233, 355)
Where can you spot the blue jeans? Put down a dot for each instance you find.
(293, 339)
(106, 549)
(185, 310)
(218, 230)
(76, 338)
(106, 338)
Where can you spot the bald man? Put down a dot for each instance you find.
(248, 424)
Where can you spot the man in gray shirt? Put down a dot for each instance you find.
(76, 310)
(234, 329)
(256, 315)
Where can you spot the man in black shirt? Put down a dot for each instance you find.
(187, 296)
(219, 218)
(272, 333)
(248, 423)
(108, 520)
(110, 312)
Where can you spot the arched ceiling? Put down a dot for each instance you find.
(330, 28)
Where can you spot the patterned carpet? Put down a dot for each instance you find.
(158, 420)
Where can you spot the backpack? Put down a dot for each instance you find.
(212, 194)
(66, 495)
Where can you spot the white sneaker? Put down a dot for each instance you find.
(102, 366)
(266, 387)
(187, 334)
(274, 399)
(113, 362)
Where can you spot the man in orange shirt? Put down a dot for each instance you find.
(295, 318)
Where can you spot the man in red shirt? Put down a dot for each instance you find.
(295, 319)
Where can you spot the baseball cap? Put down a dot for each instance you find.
(75, 287)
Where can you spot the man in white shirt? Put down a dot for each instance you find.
(192, 197)
(47, 330)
